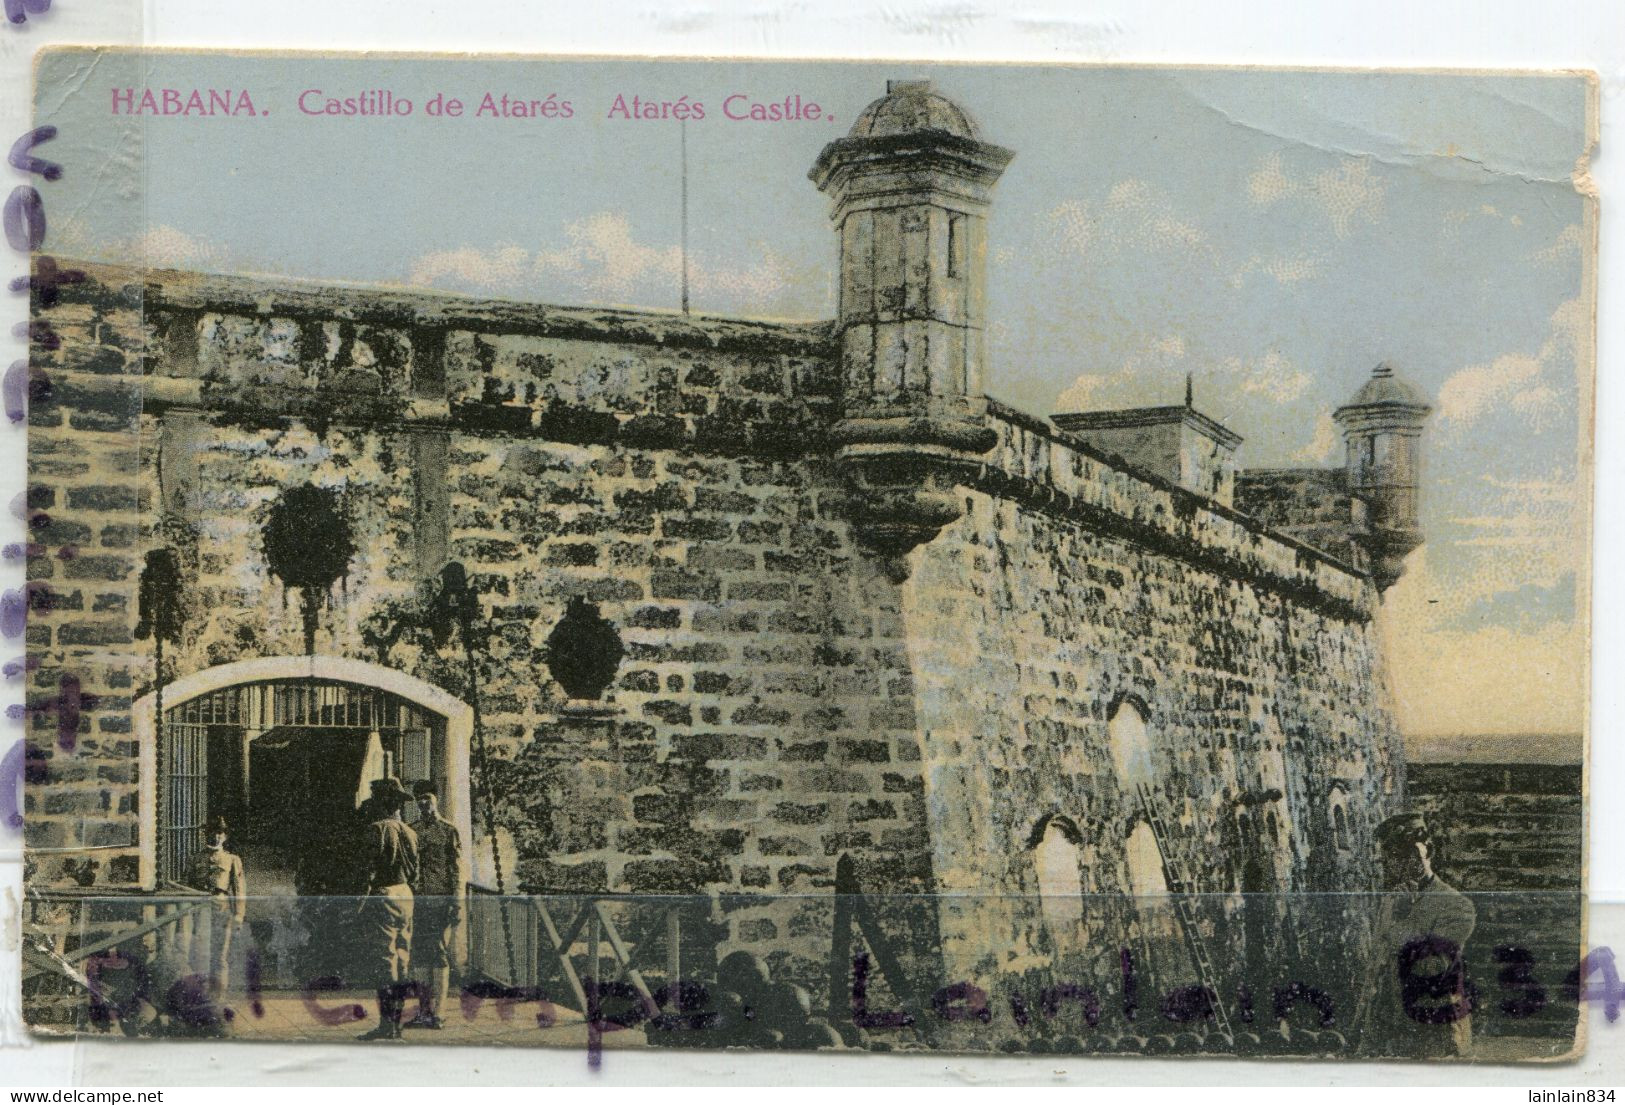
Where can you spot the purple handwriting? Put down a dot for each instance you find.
(121, 989)
(69, 706)
(23, 218)
(11, 786)
(22, 157)
(18, 11)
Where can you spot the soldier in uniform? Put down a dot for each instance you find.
(1416, 1002)
(439, 904)
(221, 874)
(390, 852)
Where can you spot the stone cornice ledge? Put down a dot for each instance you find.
(151, 290)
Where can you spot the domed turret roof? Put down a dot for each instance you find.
(911, 106)
(1384, 389)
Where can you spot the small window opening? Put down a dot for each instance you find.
(956, 245)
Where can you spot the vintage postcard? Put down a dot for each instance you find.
(618, 553)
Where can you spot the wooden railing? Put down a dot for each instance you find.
(591, 944)
(65, 928)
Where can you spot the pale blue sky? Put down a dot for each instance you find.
(1277, 234)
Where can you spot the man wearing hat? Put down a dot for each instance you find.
(220, 873)
(439, 904)
(1417, 1001)
(390, 854)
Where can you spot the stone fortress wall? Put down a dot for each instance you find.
(893, 623)
(779, 690)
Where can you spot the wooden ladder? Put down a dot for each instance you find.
(1180, 894)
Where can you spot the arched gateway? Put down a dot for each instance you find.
(281, 746)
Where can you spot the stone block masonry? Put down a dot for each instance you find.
(1313, 505)
(785, 698)
(90, 501)
(1259, 678)
(661, 475)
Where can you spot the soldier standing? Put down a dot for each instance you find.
(390, 850)
(1417, 1000)
(439, 904)
(221, 874)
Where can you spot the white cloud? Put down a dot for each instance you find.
(1137, 221)
(504, 267)
(1525, 531)
(1348, 194)
(1272, 376)
(1485, 632)
(1566, 247)
(1148, 376)
(1150, 216)
(163, 247)
(1468, 394)
(1455, 220)
(1522, 533)
(1531, 384)
(1281, 268)
(1133, 218)
(1269, 183)
(1075, 226)
(1154, 375)
(1095, 391)
(167, 247)
(1459, 681)
(600, 259)
(1326, 445)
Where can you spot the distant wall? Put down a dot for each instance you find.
(1511, 837)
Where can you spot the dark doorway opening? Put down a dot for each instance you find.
(287, 763)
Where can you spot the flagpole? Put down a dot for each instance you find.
(682, 133)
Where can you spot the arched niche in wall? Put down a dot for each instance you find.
(1161, 931)
(1130, 740)
(1143, 856)
(1337, 803)
(1058, 861)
